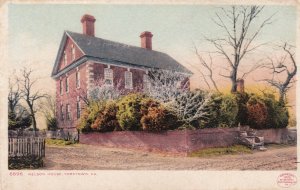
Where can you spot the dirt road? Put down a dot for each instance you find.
(88, 157)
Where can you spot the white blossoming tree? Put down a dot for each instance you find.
(172, 89)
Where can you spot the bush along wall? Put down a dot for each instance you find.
(266, 112)
(223, 111)
(192, 110)
(31, 162)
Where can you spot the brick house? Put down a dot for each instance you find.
(83, 59)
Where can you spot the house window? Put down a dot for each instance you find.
(73, 52)
(61, 87)
(108, 77)
(78, 109)
(128, 80)
(67, 84)
(77, 79)
(146, 82)
(68, 112)
(61, 112)
(65, 58)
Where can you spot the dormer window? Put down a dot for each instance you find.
(108, 77)
(65, 58)
(128, 80)
(73, 52)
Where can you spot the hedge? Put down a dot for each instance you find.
(137, 111)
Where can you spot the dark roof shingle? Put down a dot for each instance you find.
(105, 49)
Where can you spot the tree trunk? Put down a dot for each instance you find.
(34, 124)
(33, 119)
(281, 98)
(233, 80)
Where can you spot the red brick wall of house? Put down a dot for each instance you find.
(67, 49)
(97, 75)
(71, 97)
(119, 75)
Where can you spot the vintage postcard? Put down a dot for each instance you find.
(149, 95)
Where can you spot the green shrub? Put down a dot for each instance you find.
(20, 120)
(214, 112)
(257, 113)
(228, 111)
(223, 111)
(186, 126)
(59, 142)
(158, 118)
(265, 111)
(242, 115)
(292, 121)
(89, 116)
(106, 119)
(278, 115)
(51, 123)
(147, 103)
(129, 112)
(29, 162)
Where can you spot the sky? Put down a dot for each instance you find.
(35, 31)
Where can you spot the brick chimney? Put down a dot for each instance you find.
(146, 40)
(88, 24)
(240, 85)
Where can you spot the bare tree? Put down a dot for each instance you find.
(240, 33)
(191, 106)
(29, 94)
(48, 107)
(283, 71)
(14, 94)
(99, 91)
(166, 85)
(208, 66)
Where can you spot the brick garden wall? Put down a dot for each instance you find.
(170, 141)
(209, 138)
(176, 142)
(273, 135)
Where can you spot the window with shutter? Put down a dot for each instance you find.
(108, 77)
(128, 80)
(146, 82)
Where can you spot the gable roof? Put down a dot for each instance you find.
(121, 53)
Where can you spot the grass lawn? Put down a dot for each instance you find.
(236, 149)
(58, 142)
